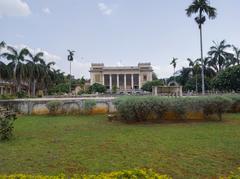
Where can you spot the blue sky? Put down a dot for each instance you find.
(115, 31)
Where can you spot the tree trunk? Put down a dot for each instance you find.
(34, 88)
(70, 89)
(202, 73)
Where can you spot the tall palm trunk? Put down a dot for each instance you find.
(70, 89)
(34, 87)
(201, 46)
(196, 84)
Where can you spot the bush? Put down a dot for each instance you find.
(53, 106)
(88, 105)
(153, 108)
(97, 88)
(5, 96)
(149, 85)
(21, 94)
(235, 102)
(130, 174)
(6, 124)
(141, 108)
(216, 105)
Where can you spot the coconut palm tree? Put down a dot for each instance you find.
(220, 58)
(202, 8)
(48, 77)
(17, 66)
(36, 70)
(4, 71)
(236, 55)
(70, 59)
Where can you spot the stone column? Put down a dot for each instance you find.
(139, 81)
(110, 82)
(118, 81)
(132, 81)
(125, 82)
(1, 91)
(103, 80)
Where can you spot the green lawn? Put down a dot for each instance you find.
(91, 144)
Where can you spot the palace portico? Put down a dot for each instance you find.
(123, 78)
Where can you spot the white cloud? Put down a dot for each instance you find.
(46, 10)
(14, 8)
(104, 9)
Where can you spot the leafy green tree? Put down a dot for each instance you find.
(202, 8)
(149, 85)
(228, 79)
(220, 57)
(97, 88)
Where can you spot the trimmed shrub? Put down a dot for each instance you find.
(7, 119)
(130, 174)
(235, 102)
(132, 109)
(88, 106)
(216, 105)
(53, 106)
(153, 108)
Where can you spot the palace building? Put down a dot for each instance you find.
(123, 78)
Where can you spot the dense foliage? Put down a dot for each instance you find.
(97, 88)
(228, 80)
(30, 73)
(149, 85)
(7, 119)
(136, 109)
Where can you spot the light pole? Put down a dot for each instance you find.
(70, 59)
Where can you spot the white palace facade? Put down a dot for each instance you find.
(123, 78)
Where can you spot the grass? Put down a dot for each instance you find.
(91, 144)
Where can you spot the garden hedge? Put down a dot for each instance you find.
(154, 108)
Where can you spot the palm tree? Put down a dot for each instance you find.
(36, 69)
(70, 59)
(4, 71)
(219, 56)
(48, 77)
(202, 8)
(17, 66)
(236, 55)
(174, 64)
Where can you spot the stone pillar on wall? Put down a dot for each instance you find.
(118, 81)
(139, 81)
(125, 82)
(110, 82)
(132, 82)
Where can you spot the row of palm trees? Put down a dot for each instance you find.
(220, 56)
(27, 69)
